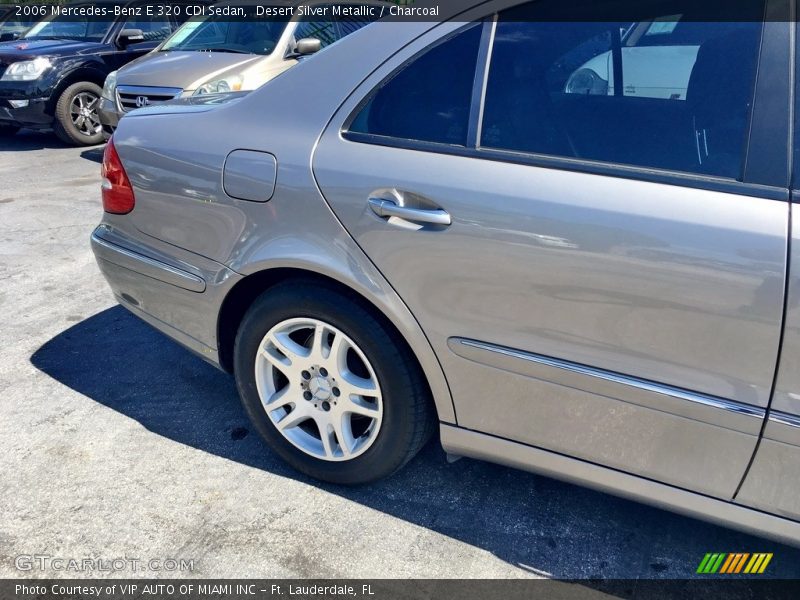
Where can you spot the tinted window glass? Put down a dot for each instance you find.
(429, 99)
(257, 37)
(153, 28)
(348, 26)
(683, 101)
(671, 32)
(14, 24)
(353, 22)
(88, 30)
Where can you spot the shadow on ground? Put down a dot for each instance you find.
(538, 524)
(94, 154)
(27, 140)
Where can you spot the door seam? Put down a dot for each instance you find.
(786, 280)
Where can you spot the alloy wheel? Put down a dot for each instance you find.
(319, 389)
(83, 111)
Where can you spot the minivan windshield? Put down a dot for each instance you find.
(69, 28)
(671, 31)
(217, 35)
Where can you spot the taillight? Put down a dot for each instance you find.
(117, 190)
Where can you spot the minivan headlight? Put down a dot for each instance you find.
(26, 70)
(110, 86)
(219, 86)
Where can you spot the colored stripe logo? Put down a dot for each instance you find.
(732, 563)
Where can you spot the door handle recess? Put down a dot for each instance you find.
(387, 208)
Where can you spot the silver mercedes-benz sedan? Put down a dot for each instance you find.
(462, 228)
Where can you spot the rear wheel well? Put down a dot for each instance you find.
(242, 296)
(245, 292)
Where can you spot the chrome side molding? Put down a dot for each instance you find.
(129, 259)
(784, 418)
(643, 385)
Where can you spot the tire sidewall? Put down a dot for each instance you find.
(388, 452)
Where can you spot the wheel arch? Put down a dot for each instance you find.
(241, 296)
(82, 73)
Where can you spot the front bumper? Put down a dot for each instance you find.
(33, 116)
(109, 116)
(37, 114)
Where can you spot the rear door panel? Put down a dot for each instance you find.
(671, 285)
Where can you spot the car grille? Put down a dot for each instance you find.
(131, 97)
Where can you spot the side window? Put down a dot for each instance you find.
(154, 28)
(324, 31)
(681, 100)
(429, 98)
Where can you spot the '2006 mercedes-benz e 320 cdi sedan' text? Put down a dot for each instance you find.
(456, 225)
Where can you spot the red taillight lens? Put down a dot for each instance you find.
(117, 190)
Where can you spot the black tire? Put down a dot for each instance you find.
(8, 130)
(66, 130)
(408, 415)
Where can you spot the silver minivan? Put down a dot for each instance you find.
(443, 238)
(219, 53)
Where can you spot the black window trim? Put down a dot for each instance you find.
(759, 175)
(795, 110)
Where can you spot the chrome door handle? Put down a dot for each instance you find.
(387, 208)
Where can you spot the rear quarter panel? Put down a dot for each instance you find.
(175, 165)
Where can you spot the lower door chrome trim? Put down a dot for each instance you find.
(659, 396)
(784, 418)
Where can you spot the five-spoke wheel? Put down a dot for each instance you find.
(330, 384)
(319, 389)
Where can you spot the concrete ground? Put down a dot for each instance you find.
(116, 443)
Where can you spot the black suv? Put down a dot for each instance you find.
(52, 77)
